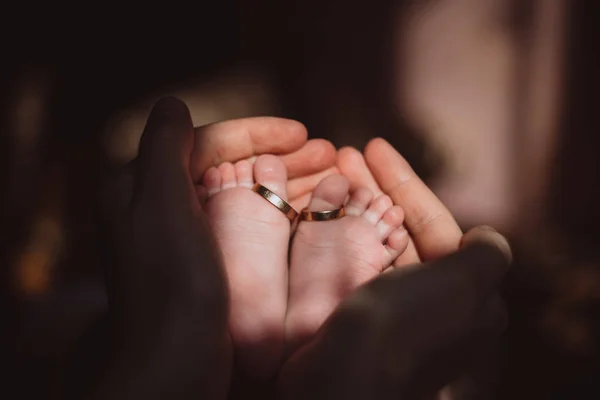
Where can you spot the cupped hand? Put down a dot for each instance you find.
(167, 288)
(433, 230)
(307, 162)
(168, 298)
(409, 332)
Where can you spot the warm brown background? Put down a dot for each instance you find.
(493, 101)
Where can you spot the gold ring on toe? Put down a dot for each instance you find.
(277, 201)
(323, 215)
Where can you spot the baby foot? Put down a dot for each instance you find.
(331, 258)
(253, 236)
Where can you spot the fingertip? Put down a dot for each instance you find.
(487, 235)
(348, 155)
(164, 154)
(324, 149)
(168, 116)
(170, 103)
(380, 153)
(239, 139)
(319, 152)
(353, 165)
(375, 144)
(315, 156)
(169, 111)
(297, 129)
(294, 133)
(484, 258)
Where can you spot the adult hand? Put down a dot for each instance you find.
(307, 162)
(409, 332)
(434, 232)
(167, 290)
(168, 300)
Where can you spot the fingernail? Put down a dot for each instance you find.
(168, 108)
(488, 235)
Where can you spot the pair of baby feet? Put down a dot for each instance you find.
(275, 308)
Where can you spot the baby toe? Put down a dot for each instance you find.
(329, 194)
(397, 242)
(243, 171)
(228, 178)
(212, 181)
(358, 202)
(270, 172)
(377, 208)
(391, 219)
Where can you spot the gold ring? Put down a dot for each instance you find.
(323, 215)
(277, 201)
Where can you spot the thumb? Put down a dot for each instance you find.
(487, 235)
(162, 172)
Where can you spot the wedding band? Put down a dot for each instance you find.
(277, 201)
(323, 215)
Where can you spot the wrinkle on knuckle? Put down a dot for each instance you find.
(399, 186)
(425, 220)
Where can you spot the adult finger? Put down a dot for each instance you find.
(431, 225)
(352, 164)
(315, 156)
(366, 350)
(465, 278)
(116, 193)
(162, 165)
(493, 318)
(487, 235)
(243, 138)
(164, 273)
(480, 265)
(166, 215)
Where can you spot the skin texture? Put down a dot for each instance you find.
(167, 292)
(166, 284)
(409, 332)
(330, 259)
(307, 162)
(433, 230)
(168, 297)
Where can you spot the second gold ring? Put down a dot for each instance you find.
(322, 215)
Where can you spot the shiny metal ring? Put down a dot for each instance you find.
(322, 215)
(277, 201)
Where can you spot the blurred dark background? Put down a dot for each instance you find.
(493, 103)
